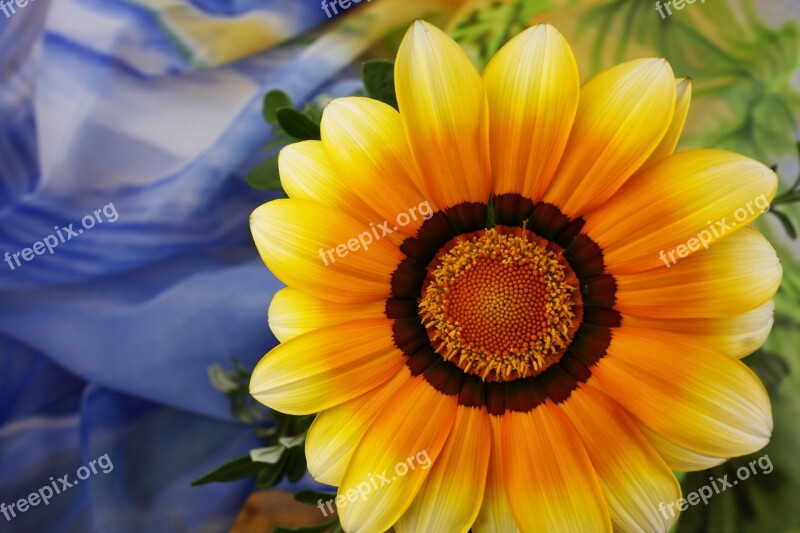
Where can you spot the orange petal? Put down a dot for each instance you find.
(532, 85)
(699, 399)
(678, 458)
(394, 457)
(451, 495)
(683, 95)
(688, 200)
(735, 336)
(635, 480)
(623, 114)
(335, 433)
(734, 276)
(495, 515)
(550, 482)
(443, 107)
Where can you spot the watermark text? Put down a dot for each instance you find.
(331, 7)
(715, 230)
(61, 236)
(10, 8)
(55, 487)
(677, 4)
(362, 242)
(376, 481)
(716, 486)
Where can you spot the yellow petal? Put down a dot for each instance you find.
(307, 173)
(735, 275)
(292, 313)
(686, 200)
(443, 107)
(683, 95)
(495, 515)
(323, 251)
(698, 399)
(550, 482)
(394, 457)
(735, 336)
(636, 482)
(451, 495)
(678, 458)
(532, 86)
(367, 144)
(326, 367)
(623, 114)
(334, 434)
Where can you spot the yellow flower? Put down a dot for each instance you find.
(554, 368)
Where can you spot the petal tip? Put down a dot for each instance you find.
(260, 215)
(419, 28)
(423, 32)
(653, 67)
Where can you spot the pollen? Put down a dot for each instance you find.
(501, 306)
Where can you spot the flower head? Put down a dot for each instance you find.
(561, 329)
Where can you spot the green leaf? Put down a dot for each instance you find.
(265, 175)
(312, 497)
(273, 101)
(267, 432)
(314, 112)
(302, 423)
(240, 468)
(296, 465)
(244, 408)
(787, 198)
(270, 475)
(770, 368)
(297, 124)
(378, 77)
(220, 379)
(270, 454)
(280, 140)
(235, 384)
(786, 222)
(240, 370)
(291, 442)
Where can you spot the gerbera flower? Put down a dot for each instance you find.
(549, 364)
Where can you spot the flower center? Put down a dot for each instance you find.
(501, 305)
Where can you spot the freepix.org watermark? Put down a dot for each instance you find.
(55, 487)
(362, 242)
(703, 238)
(331, 7)
(376, 482)
(8, 7)
(61, 236)
(720, 484)
(677, 4)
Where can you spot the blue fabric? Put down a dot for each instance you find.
(109, 111)
(152, 453)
